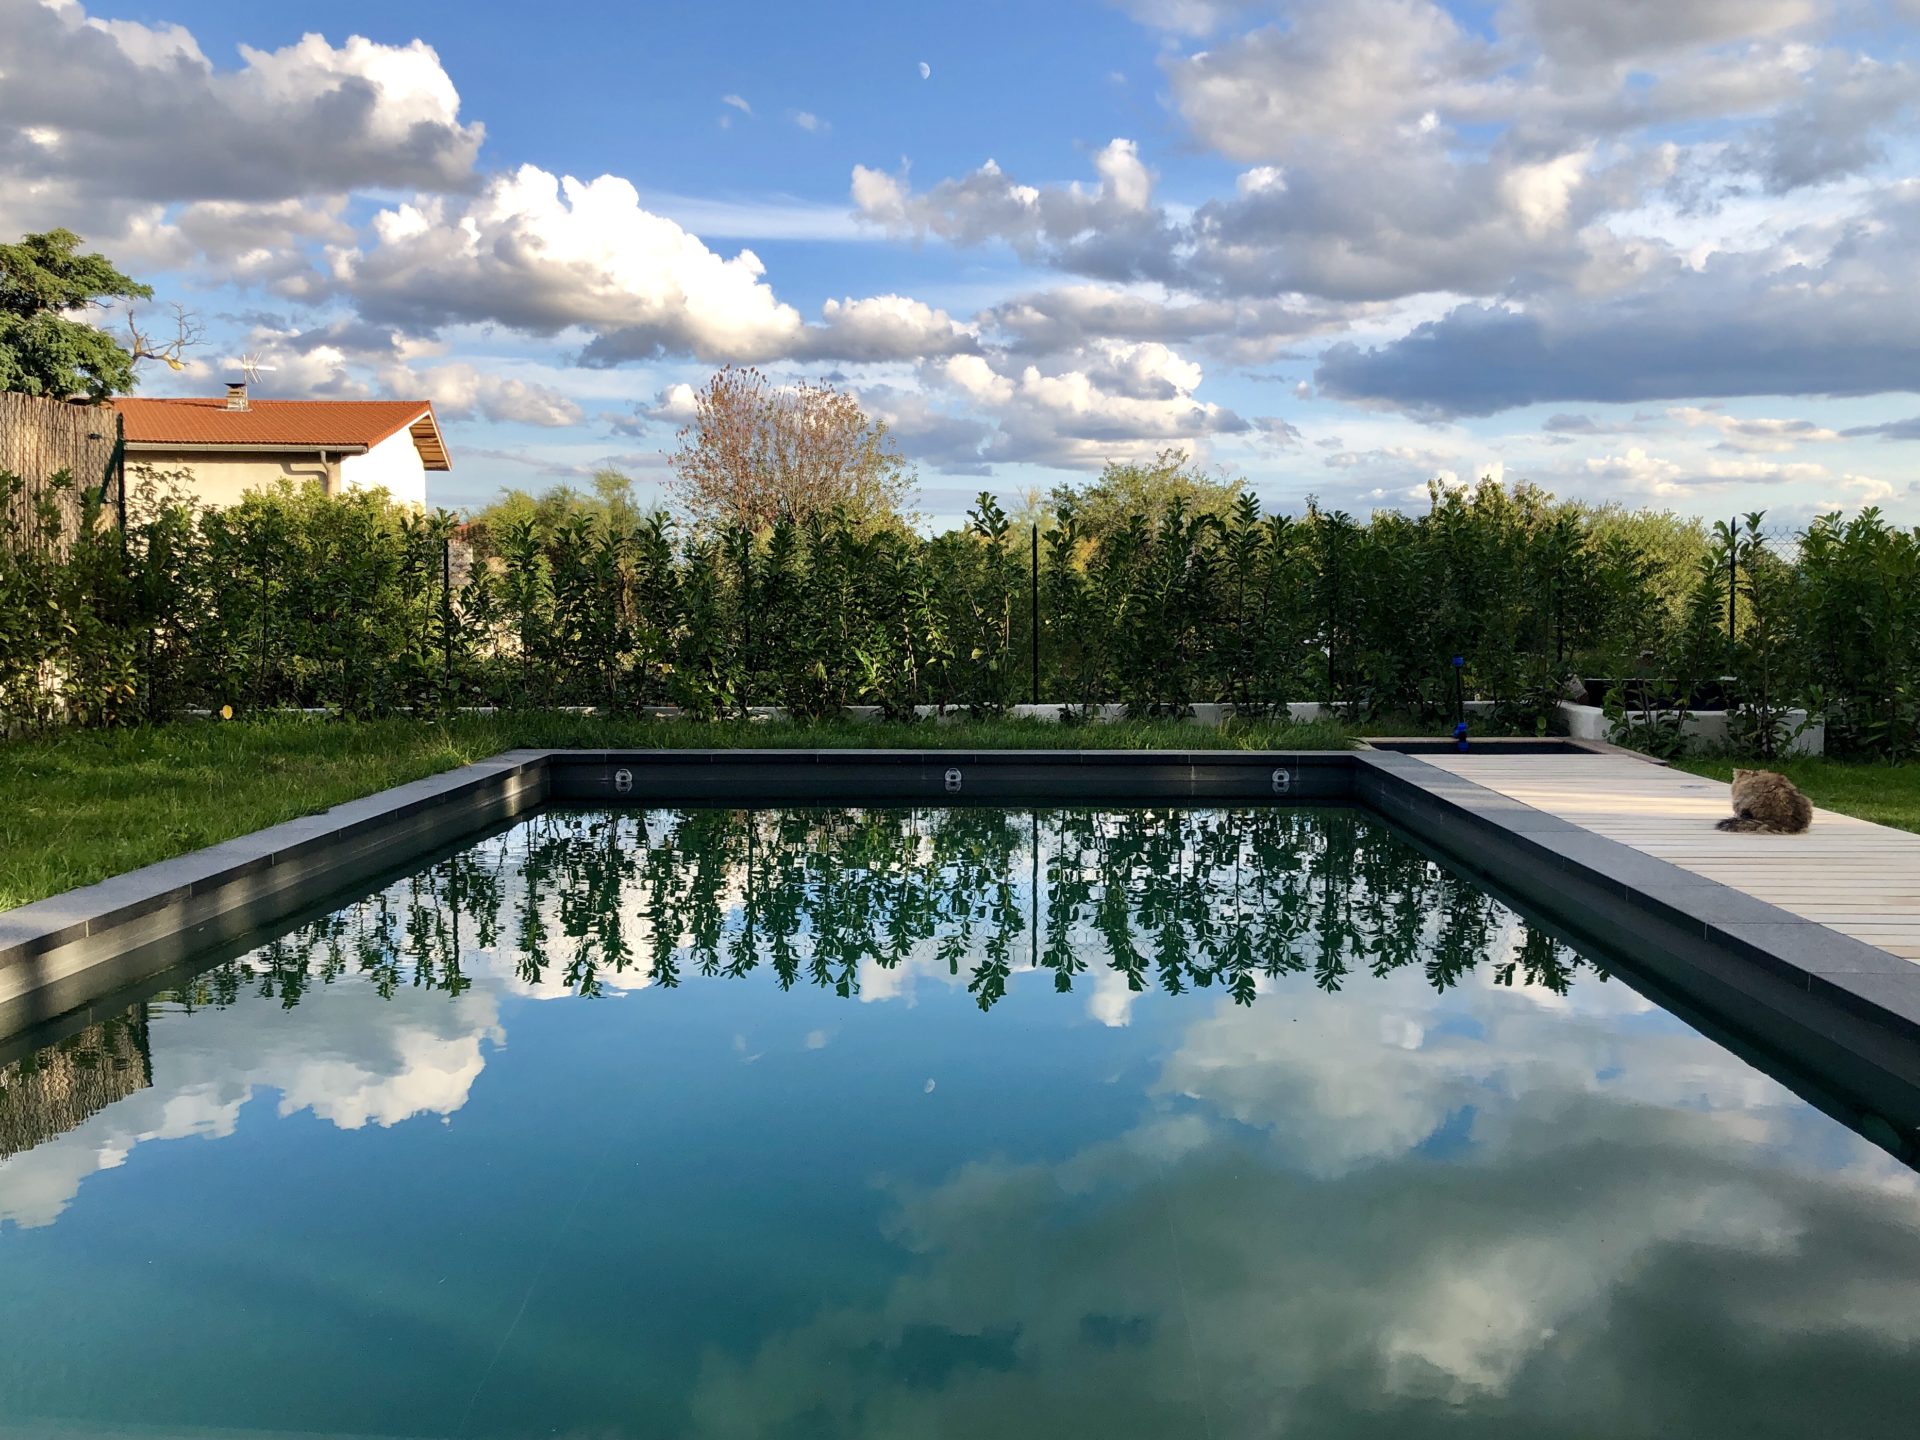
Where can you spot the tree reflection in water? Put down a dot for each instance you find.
(1179, 899)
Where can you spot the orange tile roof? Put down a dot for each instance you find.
(322, 424)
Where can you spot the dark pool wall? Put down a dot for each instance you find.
(857, 777)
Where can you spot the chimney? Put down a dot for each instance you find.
(236, 395)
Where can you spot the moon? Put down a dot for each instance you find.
(926, 71)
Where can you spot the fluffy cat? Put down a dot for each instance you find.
(1768, 803)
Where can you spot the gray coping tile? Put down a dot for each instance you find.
(289, 838)
(45, 924)
(1896, 994)
(1463, 793)
(1520, 825)
(1422, 777)
(1467, 794)
(60, 919)
(1516, 817)
(517, 759)
(1395, 763)
(351, 828)
(1619, 863)
(229, 857)
(1812, 947)
(1708, 902)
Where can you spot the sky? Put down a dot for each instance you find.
(1661, 252)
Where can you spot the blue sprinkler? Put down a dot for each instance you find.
(1459, 704)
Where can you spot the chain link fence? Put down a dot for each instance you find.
(1782, 541)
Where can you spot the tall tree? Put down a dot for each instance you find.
(612, 507)
(1147, 489)
(756, 453)
(44, 348)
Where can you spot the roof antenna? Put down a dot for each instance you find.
(251, 367)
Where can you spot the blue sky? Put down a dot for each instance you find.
(1658, 251)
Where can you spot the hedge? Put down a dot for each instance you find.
(356, 605)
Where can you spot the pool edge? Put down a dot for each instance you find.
(1828, 1002)
(1789, 981)
(60, 953)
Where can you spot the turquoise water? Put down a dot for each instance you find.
(939, 1123)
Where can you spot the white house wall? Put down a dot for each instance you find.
(223, 480)
(394, 465)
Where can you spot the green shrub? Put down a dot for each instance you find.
(358, 606)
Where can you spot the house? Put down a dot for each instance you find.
(237, 444)
(62, 1087)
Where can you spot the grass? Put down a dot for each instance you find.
(1887, 794)
(80, 806)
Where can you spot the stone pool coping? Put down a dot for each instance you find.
(1842, 1008)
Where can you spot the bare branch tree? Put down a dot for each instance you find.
(149, 345)
(755, 453)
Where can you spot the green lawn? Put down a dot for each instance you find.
(83, 805)
(1888, 794)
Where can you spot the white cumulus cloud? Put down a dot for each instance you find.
(543, 253)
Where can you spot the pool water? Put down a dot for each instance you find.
(1058, 1123)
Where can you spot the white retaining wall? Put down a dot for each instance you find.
(1703, 728)
(1706, 728)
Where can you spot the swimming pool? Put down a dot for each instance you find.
(1119, 1122)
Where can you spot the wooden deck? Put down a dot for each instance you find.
(1854, 876)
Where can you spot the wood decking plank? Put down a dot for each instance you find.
(1846, 873)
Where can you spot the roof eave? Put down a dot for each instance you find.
(148, 447)
(432, 445)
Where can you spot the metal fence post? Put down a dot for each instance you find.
(1333, 626)
(119, 463)
(1559, 610)
(746, 626)
(446, 615)
(1033, 609)
(260, 675)
(1733, 581)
